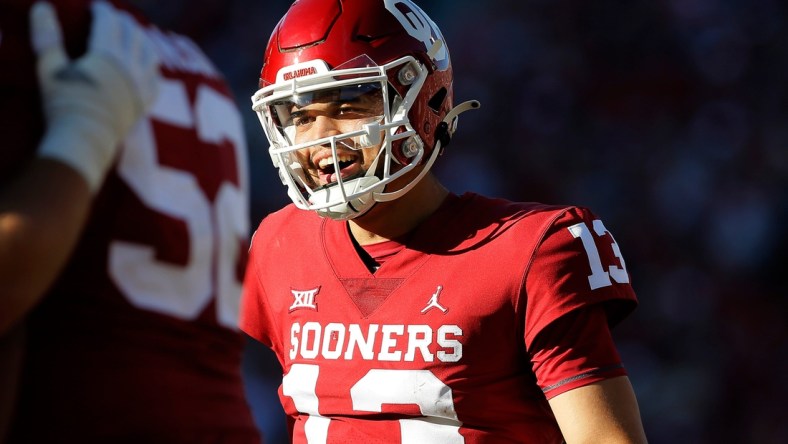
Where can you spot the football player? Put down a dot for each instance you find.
(123, 227)
(400, 311)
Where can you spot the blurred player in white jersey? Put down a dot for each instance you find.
(123, 232)
(402, 312)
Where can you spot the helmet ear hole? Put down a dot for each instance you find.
(437, 99)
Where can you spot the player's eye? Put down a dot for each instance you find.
(354, 111)
(300, 118)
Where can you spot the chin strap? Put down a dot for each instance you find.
(443, 134)
(459, 109)
(448, 126)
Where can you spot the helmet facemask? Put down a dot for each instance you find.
(371, 115)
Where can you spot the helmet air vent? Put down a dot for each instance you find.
(437, 99)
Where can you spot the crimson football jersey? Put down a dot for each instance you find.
(434, 346)
(137, 341)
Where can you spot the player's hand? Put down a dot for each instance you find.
(92, 102)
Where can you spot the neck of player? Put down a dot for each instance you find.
(394, 219)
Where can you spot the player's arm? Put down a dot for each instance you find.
(601, 412)
(90, 104)
(580, 371)
(41, 216)
(579, 288)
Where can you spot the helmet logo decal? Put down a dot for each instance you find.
(300, 73)
(418, 24)
(307, 68)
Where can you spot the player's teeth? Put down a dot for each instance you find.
(330, 161)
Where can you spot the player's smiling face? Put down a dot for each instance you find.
(332, 113)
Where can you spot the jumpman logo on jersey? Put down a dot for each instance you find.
(433, 303)
(304, 299)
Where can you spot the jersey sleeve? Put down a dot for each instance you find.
(574, 351)
(576, 264)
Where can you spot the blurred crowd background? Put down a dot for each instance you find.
(668, 118)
